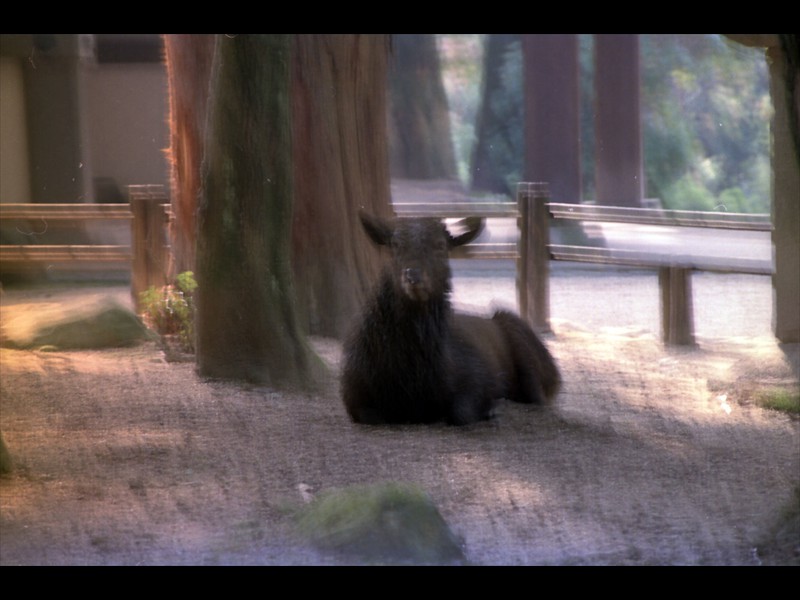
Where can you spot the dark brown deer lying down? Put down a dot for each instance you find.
(412, 359)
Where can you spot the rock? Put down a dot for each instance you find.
(101, 323)
(381, 523)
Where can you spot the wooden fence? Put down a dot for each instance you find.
(530, 290)
(533, 251)
(674, 272)
(147, 256)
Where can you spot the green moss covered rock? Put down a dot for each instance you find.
(381, 523)
(102, 323)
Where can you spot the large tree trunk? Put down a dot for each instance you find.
(552, 113)
(498, 147)
(421, 146)
(618, 163)
(340, 165)
(188, 59)
(246, 321)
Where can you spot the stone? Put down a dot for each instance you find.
(99, 323)
(381, 523)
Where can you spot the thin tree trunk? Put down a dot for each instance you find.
(551, 79)
(493, 137)
(247, 326)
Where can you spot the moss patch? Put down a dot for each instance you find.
(78, 325)
(784, 400)
(381, 523)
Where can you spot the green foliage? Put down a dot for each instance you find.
(170, 310)
(733, 200)
(705, 116)
(705, 109)
(781, 399)
(687, 194)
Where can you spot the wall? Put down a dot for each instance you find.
(14, 169)
(127, 111)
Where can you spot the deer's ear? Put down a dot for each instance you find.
(473, 225)
(379, 230)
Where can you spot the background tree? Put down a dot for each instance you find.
(340, 165)
(247, 326)
(705, 112)
(188, 61)
(420, 142)
(497, 153)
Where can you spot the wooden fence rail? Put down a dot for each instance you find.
(662, 217)
(147, 256)
(533, 251)
(530, 293)
(674, 271)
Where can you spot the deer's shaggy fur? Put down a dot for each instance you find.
(412, 359)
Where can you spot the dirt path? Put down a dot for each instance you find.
(652, 456)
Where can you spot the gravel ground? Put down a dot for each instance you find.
(652, 455)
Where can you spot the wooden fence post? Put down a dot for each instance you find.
(533, 267)
(148, 238)
(677, 318)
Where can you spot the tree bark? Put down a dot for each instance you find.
(188, 59)
(340, 165)
(552, 113)
(421, 145)
(247, 327)
(619, 162)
